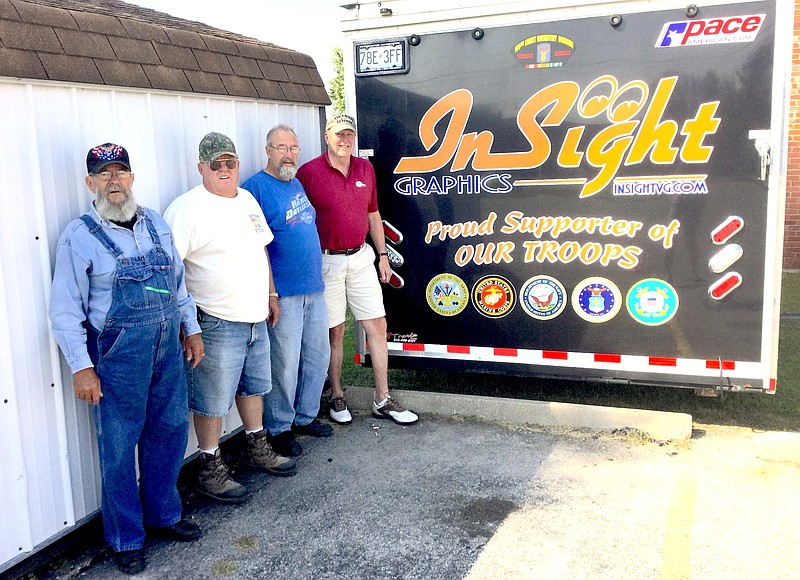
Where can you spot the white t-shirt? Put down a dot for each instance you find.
(222, 242)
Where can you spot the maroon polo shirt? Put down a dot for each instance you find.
(342, 202)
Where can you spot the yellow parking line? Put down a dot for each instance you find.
(677, 549)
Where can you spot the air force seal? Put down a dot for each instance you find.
(447, 294)
(596, 299)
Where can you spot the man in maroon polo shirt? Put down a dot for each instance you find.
(342, 190)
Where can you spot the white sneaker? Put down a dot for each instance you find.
(391, 409)
(338, 411)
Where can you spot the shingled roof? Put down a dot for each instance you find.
(110, 42)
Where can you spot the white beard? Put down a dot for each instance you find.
(123, 212)
(287, 172)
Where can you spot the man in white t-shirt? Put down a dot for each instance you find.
(221, 235)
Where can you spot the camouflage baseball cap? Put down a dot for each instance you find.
(215, 144)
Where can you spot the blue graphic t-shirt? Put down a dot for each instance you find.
(295, 252)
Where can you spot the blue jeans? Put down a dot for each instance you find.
(236, 363)
(144, 402)
(299, 352)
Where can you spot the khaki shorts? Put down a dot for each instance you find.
(352, 281)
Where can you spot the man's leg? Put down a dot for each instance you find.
(208, 430)
(336, 339)
(251, 411)
(254, 383)
(164, 437)
(212, 385)
(315, 352)
(284, 353)
(124, 375)
(379, 353)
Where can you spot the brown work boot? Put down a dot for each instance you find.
(214, 481)
(259, 455)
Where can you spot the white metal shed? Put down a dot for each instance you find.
(75, 73)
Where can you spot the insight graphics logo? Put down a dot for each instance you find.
(710, 31)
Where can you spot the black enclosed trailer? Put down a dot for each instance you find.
(587, 190)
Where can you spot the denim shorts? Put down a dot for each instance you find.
(236, 363)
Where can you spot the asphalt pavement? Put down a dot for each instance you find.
(468, 494)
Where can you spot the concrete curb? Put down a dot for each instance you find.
(662, 426)
(778, 446)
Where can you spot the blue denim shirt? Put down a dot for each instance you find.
(84, 277)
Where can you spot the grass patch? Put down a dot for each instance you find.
(758, 411)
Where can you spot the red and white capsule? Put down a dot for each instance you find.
(725, 285)
(392, 233)
(396, 281)
(727, 229)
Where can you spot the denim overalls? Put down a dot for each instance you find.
(139, 361)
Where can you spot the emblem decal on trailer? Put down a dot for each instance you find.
(710, 31)
(652, 302)
(543, 297)
(596, 299)
(544, 51)
(447, 294)
(493, 296)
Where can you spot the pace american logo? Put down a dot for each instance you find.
(710, 31)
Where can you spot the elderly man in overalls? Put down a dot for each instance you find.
(117, 306)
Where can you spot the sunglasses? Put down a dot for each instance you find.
(217, 165)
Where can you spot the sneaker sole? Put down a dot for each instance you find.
(224, 500)
(381, 416)
(340, 422)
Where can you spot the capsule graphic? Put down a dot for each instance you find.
(727, 229)
(725, 285)
(392, 233)
(725, 258)
(396, 281)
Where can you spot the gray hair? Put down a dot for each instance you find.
(286, 128)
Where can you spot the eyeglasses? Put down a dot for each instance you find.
(107, 175)
(284, 149)
(216, 165)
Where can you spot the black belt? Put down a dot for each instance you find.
(348, 252)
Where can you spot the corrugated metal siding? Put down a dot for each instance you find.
(49, 478)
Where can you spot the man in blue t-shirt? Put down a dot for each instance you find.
(299, 348)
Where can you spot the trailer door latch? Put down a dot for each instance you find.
(761, 138)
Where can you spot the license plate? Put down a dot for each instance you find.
(382, 58)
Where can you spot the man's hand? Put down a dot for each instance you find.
(384, 269)
(193, 349)
(87, 386)
(274, 311)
